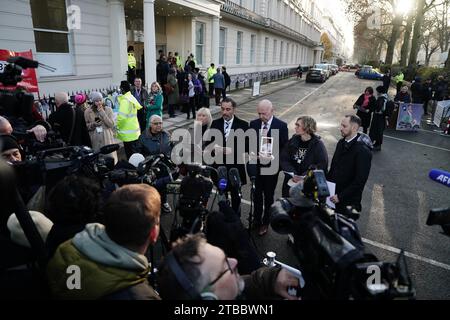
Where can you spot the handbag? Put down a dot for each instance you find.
(168, 88)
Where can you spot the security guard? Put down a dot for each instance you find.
(399, 80)
(131, 65)
(128, 129)
(178, 61)
(211, 72)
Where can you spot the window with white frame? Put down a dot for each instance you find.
(239, 47)
(222, 42)
(266, 49)
(287, 52)
(199, 41)
(281, 52)
(254, 5)
(269, 8)
(51, 36)
(252, 48)
(274, 53)
(292, 54)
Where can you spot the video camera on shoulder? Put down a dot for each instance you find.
(329, 246)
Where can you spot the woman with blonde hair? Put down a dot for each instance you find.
(154, 103)
(303, 150)
(100, 123)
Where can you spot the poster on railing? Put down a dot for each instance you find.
(256, 88)
(409, 116)
(442, 109)
(29, 80)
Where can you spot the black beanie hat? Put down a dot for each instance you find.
(8, 142)
(381, 89)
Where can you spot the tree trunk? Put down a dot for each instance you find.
(447, 63)
(417, 33)
(394, 37)
(406, 39)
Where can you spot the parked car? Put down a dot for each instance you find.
(334, 68)
(316, 75)
(369, 73)
(325, 67)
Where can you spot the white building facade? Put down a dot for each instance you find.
(336, 36)
(86, 40)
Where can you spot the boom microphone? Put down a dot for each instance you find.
(441, 176)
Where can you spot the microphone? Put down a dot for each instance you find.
(109, 148)
(441, 176)
(235, 179)
(252, 171)
(222, 183)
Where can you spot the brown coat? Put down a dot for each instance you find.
(106, 122)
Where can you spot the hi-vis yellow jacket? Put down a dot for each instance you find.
(131, 60)
(211, 72)
(127, 121)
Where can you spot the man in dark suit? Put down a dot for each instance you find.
(141, 96)
(265, 185)
(227, 125)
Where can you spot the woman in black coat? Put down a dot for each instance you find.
(365, 105)
(303, 150)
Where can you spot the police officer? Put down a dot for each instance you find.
(128, 129)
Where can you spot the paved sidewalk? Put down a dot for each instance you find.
(241, 96)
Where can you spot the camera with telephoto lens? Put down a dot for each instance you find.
(193, 191)
(16, 103)
(330, 250)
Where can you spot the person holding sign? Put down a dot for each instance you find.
(265, 184)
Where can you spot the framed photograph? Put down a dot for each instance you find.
(266, 146)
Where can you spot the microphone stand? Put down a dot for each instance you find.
(252, 201)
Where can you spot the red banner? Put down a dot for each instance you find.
(29, 81)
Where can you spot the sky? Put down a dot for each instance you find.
(337, 8)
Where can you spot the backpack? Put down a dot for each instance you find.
(198, 89)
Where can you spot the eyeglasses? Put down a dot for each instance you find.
(223, 272)
(157, 123)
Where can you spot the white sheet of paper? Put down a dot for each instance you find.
(332, 188)
(289, 173)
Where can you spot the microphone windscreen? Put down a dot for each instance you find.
(251, 169)
(440, 176)
(135, 159)
(235, 179)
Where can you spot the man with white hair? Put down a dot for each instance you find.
(265, 185)
(69, 122)
(156, 141)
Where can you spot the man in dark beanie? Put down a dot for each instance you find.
(10, 148)
(128, 129)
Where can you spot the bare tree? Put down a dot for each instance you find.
(364, 9)
(422, 7)
(407, 38)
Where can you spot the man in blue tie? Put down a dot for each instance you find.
(265, 185)
(226, 124)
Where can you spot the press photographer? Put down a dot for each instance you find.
(331, 253)
(222, 227)
(16, 104)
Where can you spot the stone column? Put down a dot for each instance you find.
(118, 41)
(149, 41)
(215, 37)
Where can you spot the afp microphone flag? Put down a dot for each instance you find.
(440, 176)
